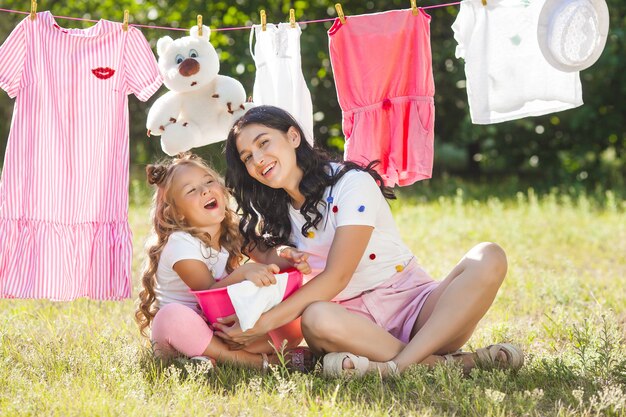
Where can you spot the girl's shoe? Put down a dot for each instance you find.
(202, 359)
(301, 359)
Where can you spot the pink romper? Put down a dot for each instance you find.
(382, 66)
(64, 189)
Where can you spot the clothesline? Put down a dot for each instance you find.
(216, 29)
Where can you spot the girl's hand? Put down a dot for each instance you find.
(260, 274)
(298, 259)
(228, 329)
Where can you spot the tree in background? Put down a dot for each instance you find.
(584, 146)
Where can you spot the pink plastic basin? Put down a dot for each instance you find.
(216, 303)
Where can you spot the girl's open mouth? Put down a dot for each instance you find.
(212, 203)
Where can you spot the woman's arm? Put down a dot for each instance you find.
(345, 253)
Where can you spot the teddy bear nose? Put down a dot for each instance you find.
(189, 67)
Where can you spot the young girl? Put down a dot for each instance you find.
(198, 247)
(370, 305)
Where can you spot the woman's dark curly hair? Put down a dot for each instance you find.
(264, 210)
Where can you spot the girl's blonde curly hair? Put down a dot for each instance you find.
(165, 221)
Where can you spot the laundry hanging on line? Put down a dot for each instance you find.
(72, 181)
(64, 229)
(487, 7)
(508, 77)
(278, 79)
(385, 88)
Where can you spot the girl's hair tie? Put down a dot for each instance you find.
(156, 174)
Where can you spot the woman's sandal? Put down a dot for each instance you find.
(489, 356)
(333, 365)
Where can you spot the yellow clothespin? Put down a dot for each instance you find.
(484, 2)
(342, 17)
(263, 20)
(292, 18)
(125, 24)
(33, 9)
(414, 7)
(199, 20)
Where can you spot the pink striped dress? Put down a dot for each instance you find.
(64, 190)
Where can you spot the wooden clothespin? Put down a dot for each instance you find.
(484, 2)
(342, 17)
(292, 18)
(33, 9)
(414, 7)
(263, 20)
(125, 24)
(199, 20)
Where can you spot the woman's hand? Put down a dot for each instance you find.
(260, 274)
(228, 329)
(298, 259)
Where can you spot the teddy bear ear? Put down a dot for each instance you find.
(163, 43)
(206, 32)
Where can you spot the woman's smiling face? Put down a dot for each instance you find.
(269, 155)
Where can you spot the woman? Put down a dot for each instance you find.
(370, 305)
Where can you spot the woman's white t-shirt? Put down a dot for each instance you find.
(170, 288)
(355, 199)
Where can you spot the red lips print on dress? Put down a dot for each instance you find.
(103, 73)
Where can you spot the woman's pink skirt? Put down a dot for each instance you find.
(395, 304)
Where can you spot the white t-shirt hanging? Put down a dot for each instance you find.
(354, 200)
(170, 288)
(279, 80)
(508, 77)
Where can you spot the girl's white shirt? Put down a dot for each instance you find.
(170, 288)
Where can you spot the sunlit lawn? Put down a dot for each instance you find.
(564, 302)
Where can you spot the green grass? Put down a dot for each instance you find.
(564, 302)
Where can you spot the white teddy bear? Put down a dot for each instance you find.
(202, 105)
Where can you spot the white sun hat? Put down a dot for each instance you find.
(572, 33)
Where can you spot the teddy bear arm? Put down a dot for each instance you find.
(165, 111)
(229, 92)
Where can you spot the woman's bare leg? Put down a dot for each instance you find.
(330, 327)
(453, 310)
(445, 323)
